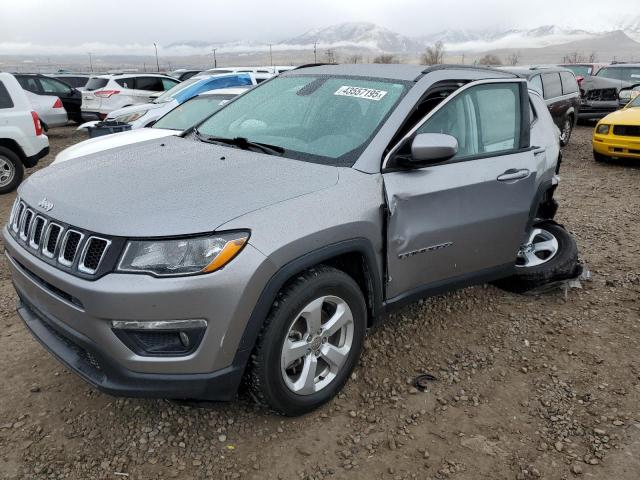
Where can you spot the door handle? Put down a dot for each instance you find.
(513, 174)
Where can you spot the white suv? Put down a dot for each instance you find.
(106, 93)
(22, 141)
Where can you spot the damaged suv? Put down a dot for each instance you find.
(264, 243)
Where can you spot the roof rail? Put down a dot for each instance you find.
(309, 65)
(452, 66)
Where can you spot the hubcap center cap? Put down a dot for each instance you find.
(315, 343)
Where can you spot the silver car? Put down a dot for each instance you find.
(263, 244)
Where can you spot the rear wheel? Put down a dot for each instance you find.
(550, 254)
(11, 170)
(310, 343)
(565, 132)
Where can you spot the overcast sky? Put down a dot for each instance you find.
(135, 22)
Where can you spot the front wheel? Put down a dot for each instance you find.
(310, 343)
(550, 254)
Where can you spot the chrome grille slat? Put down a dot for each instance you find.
(95, 248)
(56, 243)
(39, 223)
(25, 223)
(50, 245)
(69, 247)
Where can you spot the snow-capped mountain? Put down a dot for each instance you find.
(356, 35)
(374, 38)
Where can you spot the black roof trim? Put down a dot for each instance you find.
(451, 66)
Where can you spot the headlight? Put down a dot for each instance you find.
(625, 95)
(182, 256)
(602, 129)
(130, 117)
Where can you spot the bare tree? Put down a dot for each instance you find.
(385, 58)
(573, 57)
(434, 54)
(593, 57)
(355, 58)
(513, 59)
(490, 59)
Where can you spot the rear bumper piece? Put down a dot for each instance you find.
(32, 161)
(88, 116)
(81, 355)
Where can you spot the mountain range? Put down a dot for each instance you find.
(375, 38)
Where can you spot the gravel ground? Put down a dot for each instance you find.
(527, 386)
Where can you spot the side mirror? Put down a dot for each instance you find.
(431, 148)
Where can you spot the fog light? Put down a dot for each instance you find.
(160, 338)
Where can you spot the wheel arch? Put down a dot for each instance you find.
(14, 147)
(356, 257)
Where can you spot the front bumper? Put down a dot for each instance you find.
(85, 358)
(616, 147)
(595, 110)
(72, 317)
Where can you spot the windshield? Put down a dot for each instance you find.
(580, 70)
(315, 118)
(627, 74)
(172, 92)
(192, 112)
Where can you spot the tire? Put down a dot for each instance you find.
(600, 158)
(565, 132)
(11, 170)
(563, 264)
(317, 290)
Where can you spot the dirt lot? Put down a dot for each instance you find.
(527, 386)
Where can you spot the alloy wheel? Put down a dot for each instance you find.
(541, 247)
(317, 345)
(7, 171)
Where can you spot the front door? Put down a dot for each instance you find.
(466, 217)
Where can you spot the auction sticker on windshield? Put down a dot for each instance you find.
(360, 92)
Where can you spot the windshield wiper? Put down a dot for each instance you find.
(242, 143)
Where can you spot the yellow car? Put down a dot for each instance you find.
(618, 134)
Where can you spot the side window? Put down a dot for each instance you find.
(168, 84)
(536, 84)
(484, 119)
(49, 85)
(125, 82)
(29, 83)
(152, 84)
(5, 98)
(552, 85)
(569, 83)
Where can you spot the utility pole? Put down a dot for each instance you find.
(315, 52)
(90, 62)
(157, 62)
(215, 60)
(271, 55)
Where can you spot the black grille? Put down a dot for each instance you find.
(71, 246)
(627, 130)
(37, 231)
(52, 241)
(16, 219)
(94, 253)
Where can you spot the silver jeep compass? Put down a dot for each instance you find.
(262, 244)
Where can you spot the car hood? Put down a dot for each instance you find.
(626, 116)
(99, 144)
(136, 108)
(168, 187)
(596, 83)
